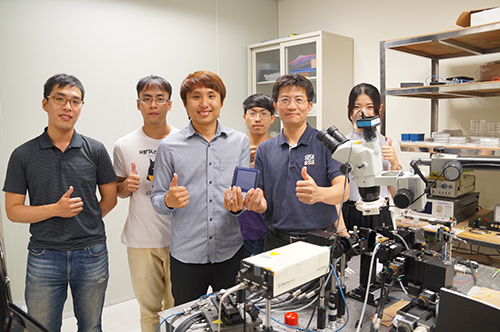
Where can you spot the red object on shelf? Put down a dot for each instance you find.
(291, 318)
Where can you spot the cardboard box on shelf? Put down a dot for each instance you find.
(479, 16)
(490, 71)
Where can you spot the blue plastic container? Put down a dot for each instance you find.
(417, 137)
(405, 137)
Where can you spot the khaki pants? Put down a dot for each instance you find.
(150, 273)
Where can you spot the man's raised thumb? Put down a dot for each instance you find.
(304, 173)
(173, 183)
(69, 192)
(134, 169)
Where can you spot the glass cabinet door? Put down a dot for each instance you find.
(267, 66)
(267, 69)
(301, 59)
(324, 58)
(294, 57)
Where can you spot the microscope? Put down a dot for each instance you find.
(363, 160)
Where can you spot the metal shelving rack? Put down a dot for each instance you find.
(478, 40)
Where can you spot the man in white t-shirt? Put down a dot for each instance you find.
(146, 233)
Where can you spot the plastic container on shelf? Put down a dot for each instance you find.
(269, 71)
(458, 140)
(440, 137)
(415, 137)
(489, 141)
(474, 127)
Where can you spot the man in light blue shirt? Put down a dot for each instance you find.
(193, 168)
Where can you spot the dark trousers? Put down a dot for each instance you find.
(190, 281)
(353, 217)
(272, 241)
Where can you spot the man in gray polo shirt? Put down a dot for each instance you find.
(60, 170)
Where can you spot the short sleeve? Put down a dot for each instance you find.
(118, 161)
(105, 172)
(15, 179)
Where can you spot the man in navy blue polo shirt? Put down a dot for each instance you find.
(300, 184)
(61, 170)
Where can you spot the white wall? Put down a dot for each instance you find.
(370, 22)
(109, 45)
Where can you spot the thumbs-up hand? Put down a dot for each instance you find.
(253, 150)
(307, 190)
(177, 197)
(389, 154)
(68, 207)
(133, 180)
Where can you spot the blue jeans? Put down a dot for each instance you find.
(47, 277)
(253, 247)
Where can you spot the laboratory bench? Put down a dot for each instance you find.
(474, 236)
(486, 288)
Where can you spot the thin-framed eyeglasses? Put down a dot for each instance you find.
(149, 100)
(263, 115)
(286, 101)
(60, 100)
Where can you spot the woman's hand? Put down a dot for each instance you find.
(390, 155)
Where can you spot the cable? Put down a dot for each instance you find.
(403, 287)
(472, 269)
(375, 320)
(397, 298)
(312, 314)
(163, 321)
(377, 245)
(380, 310)
(300, 308)
(318, 298)
(240, 286)
(434, 76)
(188, 322)
(345, 185)
(402, 239)
(479, 233)
(343, 297)
(171, 327)
(442, 249)
(428, 186)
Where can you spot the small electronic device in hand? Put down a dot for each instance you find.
(245, 178)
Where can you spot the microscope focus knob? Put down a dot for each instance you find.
(439, 149)
(403, 198)
(452, 170)
(345, 168)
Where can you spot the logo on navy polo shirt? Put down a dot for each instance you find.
(308, 160)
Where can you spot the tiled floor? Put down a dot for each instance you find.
(120, 317)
